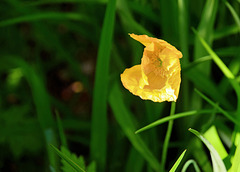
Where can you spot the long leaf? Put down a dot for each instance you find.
(175, 116)
(44, 16)
(68, 160)
(98, 144)
(218, 165)
(124, 118)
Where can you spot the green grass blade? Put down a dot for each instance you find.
(175, 116)
(189, 162)
(98, 144)
(37, 3)
(212, 136)
(235, 162)
(218, 165)
(234, 14)
(225, 113)
(183, 29)
(169, 18)
(68, 160)
(167, 137)
(216, 59)
(226, 31)
(207, 86)
(45, 16)
(131, 25)
(61, 131)
(176, 164)
(124, 118)
(135, 162)
(205, 28)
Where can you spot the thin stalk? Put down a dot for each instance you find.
(168, 135)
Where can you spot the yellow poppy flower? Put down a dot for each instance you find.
(157, 78)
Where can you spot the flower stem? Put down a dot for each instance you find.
(167, 137)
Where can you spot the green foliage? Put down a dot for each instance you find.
(72, 163)
(60, 85)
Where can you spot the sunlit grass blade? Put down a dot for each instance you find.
(44, 16)
(176, 164)
(212, 136)
(223, 68)
(235, 162)
(234, 14)
(98, 145)
(124, 118)
(167, 136)
(216, 59)
(68, 160)
(175, 116)
(188, 163)
(226, 114)
(218, 165)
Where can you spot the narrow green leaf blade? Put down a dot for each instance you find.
(45, 16)
(234, 14)
(124, 118)
(225, 113)
(218, 165)
(176, 164)
(176, 116)
(98, 145)
(235, 162)
(215, 57)
(68, 160)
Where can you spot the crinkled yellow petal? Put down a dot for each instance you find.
(158, 77)
(132, 78)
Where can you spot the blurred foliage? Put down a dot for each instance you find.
(49, 51)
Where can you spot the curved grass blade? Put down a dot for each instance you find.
(176, 164)
(68, 160)
(205, 28)
(98, 145)
(223, 68)
(44, 16)
(234, 14)
(189, 162)
(124, 118)
(212, 136)
(176, 116)
(226, 114)
(216, 59)
(218, 165)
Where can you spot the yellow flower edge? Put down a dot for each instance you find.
(158, 77)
